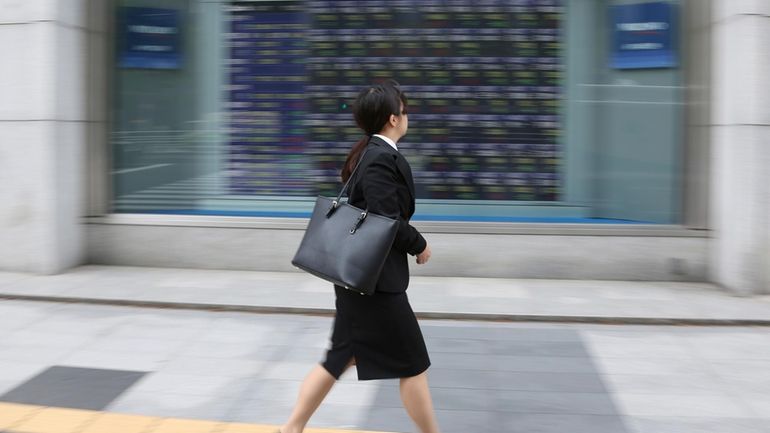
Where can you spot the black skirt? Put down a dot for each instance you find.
(382, 334)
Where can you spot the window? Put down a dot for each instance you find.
(518, 109)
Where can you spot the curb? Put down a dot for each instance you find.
(325, 312)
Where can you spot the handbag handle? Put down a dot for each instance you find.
(336, 202)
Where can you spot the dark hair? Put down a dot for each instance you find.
(372, 110)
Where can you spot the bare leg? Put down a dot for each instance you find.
(314, 388)
(416, 397)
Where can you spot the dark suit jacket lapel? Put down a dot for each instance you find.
(401, 163)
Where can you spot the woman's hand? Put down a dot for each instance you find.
(424, 256)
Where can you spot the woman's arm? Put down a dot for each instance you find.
(380, 182)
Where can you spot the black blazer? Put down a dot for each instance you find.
(383, 184)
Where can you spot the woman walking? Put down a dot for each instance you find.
(379, 334)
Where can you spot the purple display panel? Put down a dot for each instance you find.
(484, 81)
(267, 102)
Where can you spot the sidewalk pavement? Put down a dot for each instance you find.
(626, 302)
(75, 368)
(79, 368)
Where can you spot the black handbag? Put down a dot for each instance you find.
(344, 244)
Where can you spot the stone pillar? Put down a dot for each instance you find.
(43, 133)
(740, 180)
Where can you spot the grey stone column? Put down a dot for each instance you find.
(740, 181)
(43, 130)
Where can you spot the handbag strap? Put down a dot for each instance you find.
(352, 173)
(336, 201)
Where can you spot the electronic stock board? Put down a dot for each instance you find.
(484, 81)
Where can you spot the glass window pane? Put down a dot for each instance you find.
(517, 111)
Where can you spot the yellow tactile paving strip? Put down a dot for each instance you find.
(22, 418)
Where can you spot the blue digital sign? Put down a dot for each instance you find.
(150, 38)
(644, 36)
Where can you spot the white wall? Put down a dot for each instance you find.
(179, 241)
(740, 210)
(43, 129)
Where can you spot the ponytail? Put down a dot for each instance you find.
(353, 157)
